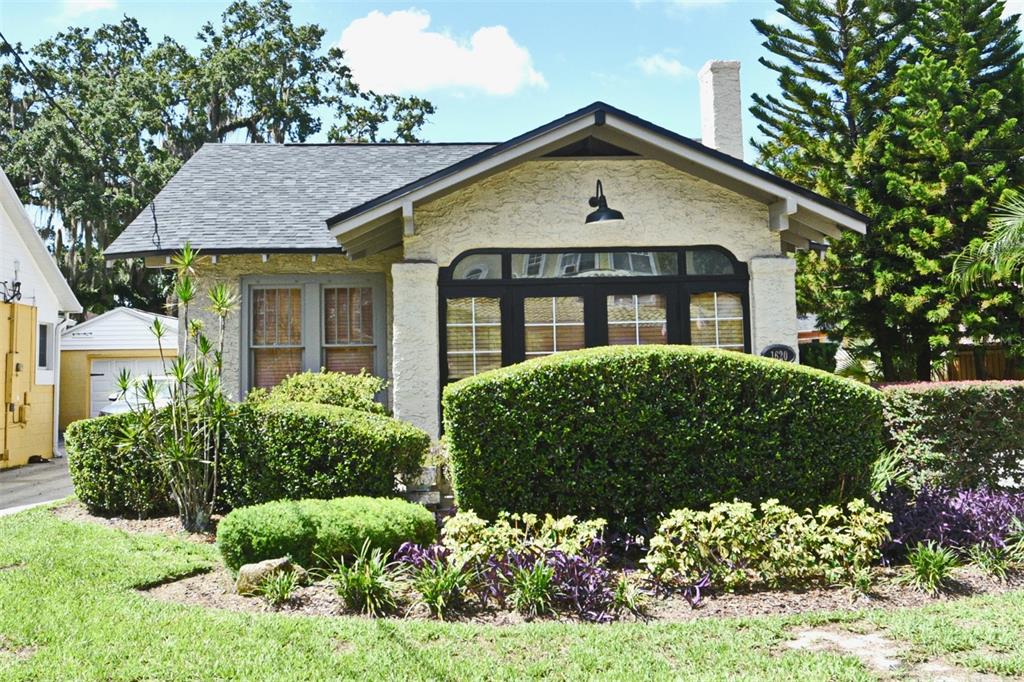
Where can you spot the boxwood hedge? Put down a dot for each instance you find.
(317, 532)
(288, 450)
(274, 450)
(958, 434)
(630, 433)
(109, 478)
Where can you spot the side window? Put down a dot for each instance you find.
(348, 345)
(44, 358)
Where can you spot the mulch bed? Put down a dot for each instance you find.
(163, 525)
(214, 589)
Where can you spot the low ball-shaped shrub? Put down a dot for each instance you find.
(628, 434)
(332, 388)
(284, 450)
(110, 478)
(957, 434)
(320, 532)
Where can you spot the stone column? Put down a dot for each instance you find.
(772, 302)
(415, 370)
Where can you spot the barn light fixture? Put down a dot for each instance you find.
(601, 204)
(10, 292)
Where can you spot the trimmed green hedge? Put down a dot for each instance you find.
(109, 479)
(317, 532)
(962, 434)
(275, 450)
(332, 388)
(285, 450)
(630, 433)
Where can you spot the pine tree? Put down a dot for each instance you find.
(936, 143)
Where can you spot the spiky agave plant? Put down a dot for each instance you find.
(186, 436)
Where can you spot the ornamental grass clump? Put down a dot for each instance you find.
(930, 567)
(441, 582)
(369, 583)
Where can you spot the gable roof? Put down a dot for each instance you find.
(237, 198)
(120, 329)
(359, 198)
(374, 225)
(26, 230)
(598, 111)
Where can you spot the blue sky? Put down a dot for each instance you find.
(494, 69)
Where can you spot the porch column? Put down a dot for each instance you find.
(415, 371)
(772, 302)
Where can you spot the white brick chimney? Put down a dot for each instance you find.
(721, 114)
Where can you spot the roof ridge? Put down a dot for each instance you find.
(350, 144)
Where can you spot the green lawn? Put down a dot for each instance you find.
(66, 591)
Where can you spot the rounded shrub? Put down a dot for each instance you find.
(630, 433)
(109, 478)
(318, 532)
(332, 388)
(286, 450)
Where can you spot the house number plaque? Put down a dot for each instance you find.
(778, 351)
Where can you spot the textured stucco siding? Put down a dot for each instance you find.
(231, 269)
(416, 365)
(543, 204)
(772, 302)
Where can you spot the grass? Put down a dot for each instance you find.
(67, 595)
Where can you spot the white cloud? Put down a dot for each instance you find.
(76, 8)
(660, 65)
(1015, 7)
(396, 53)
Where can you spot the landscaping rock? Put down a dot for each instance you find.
(251, 575)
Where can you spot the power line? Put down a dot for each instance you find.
(82, 136)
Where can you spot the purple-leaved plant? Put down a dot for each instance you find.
(956, 518)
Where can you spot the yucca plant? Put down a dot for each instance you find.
(187, 435)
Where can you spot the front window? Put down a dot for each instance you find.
(716, 320)
(473, 336)
(501, 308)
(297, 324)
(276, 336)
(348, 329)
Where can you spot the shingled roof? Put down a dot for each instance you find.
(233, 198)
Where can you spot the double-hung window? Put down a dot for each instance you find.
(304, 323)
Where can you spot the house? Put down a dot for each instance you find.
(96, 351)
(35, 300)
(427, 263)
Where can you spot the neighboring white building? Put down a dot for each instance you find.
(426, 263)
(96, 351)
(34, 302)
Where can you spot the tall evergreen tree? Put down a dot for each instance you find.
(937, 141)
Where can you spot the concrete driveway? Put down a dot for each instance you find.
(34, 484)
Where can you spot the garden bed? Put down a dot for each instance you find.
(215, 589)
(73, 510)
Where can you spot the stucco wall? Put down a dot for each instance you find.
(543, 204)
(230, 269)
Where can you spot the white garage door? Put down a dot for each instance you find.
(104, 373)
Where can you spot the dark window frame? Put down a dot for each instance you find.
(512, 290)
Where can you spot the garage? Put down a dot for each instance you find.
(95, 352)
(103, 377)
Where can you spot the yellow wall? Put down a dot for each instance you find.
(27, 430)
(75, 368)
